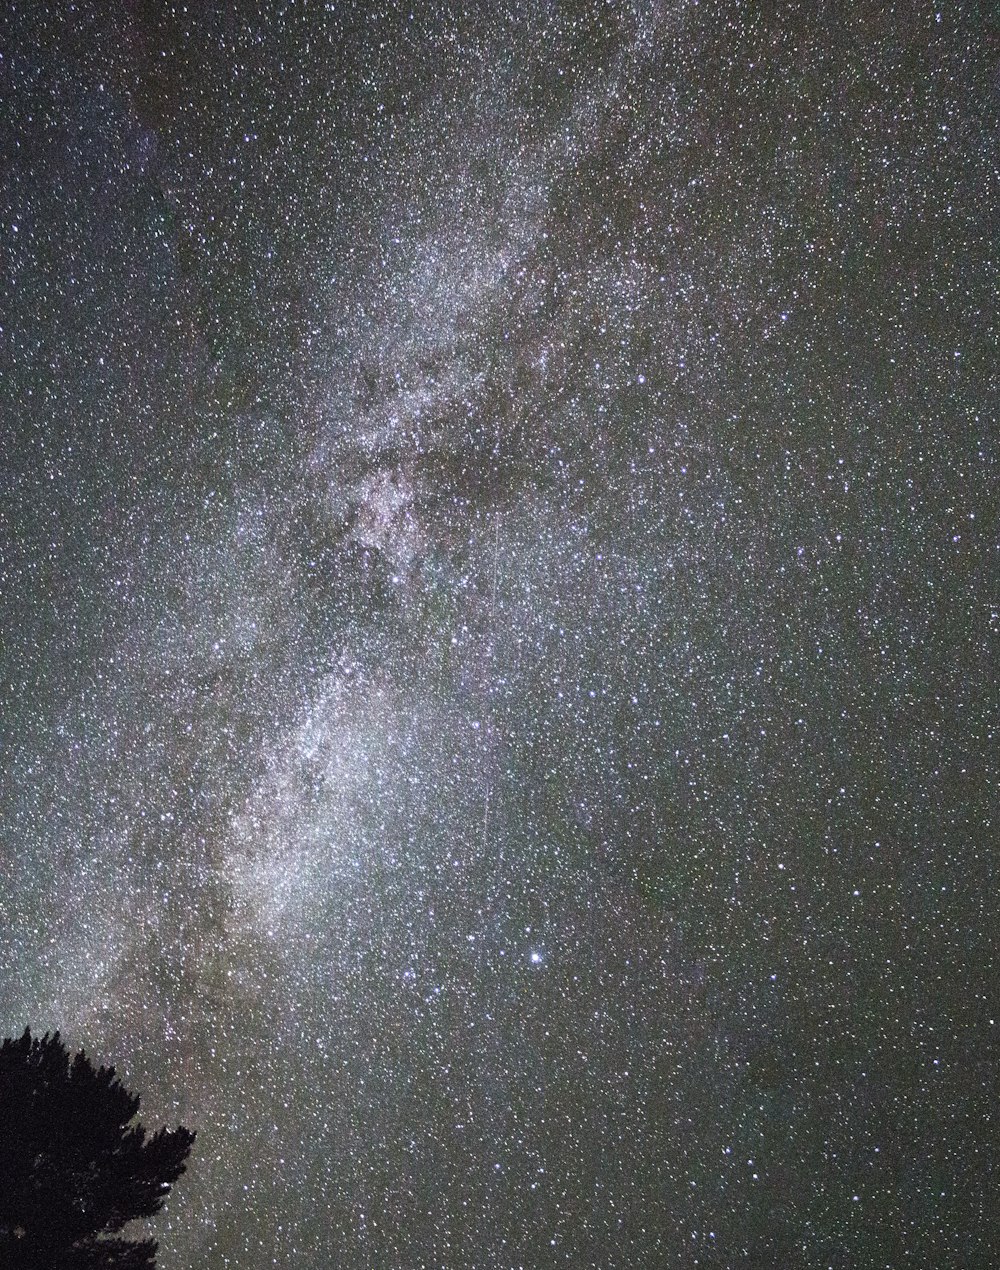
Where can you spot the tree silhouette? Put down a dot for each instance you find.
(74, 1169)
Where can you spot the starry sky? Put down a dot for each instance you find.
(500, 608)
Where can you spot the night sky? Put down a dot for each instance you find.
(500, 610)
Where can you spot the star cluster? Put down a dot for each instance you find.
(498, 555)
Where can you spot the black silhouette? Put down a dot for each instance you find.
(74, 1168)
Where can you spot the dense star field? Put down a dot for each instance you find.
(500, 614)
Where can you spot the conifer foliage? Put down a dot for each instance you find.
(75, 1167)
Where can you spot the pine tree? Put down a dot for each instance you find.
(75, 1167)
